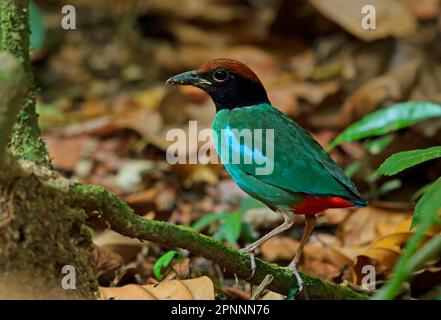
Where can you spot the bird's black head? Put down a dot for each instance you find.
(229, 83)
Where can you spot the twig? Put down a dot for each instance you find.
(359, 289)
(261, 288)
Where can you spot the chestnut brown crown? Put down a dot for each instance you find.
(230, 83)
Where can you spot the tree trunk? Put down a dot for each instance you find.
(40, 233)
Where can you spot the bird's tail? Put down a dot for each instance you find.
(359, 203)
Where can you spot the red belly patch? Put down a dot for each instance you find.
(315, 204)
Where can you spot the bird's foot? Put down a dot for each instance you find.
(300, 281)
(250, 251)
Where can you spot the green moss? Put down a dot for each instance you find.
(12, 88)
(39, 234)
(26, 142)
(123, 220)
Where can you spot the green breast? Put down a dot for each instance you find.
(244, 173)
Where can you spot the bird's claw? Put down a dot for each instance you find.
(300, 281)
(253, 260)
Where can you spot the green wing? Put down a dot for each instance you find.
(299, 163)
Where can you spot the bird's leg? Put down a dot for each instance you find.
(288, 223)
(310, 221)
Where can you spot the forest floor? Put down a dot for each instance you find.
(105, 112)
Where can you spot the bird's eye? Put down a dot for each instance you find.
(220, 75)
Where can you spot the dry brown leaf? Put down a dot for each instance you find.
(66, 153)
(258, 59)
(205, 10)
(146, 123)
(284, 100)
(151, 98)
(334, 216)
(126, 247)
(271, 295)
(362, 226)
(320, 269)
(393, 17)
(385, 252)
(188, 34)
(330, 251)
(262, 218)
(106, 260)
(193, 94)
(302, 65)
(194, 173)
(182, 269)
(321, 247)
(193, 289)
(279, 248)
(315, 93)
(142, 201)
(101, 126)
(229, 192)
(428, 85)
(237, 293)
(391, 85)
(424, 9)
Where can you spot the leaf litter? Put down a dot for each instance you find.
(106, 111)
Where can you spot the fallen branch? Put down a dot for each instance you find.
(122, 219)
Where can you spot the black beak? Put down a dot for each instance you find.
(188, 78)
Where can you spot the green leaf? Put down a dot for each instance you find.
(248, 233)
(163, 262)
(351, 169)
(231, 227)
(37, 27)
(250, 203)
(426, 215)
(406, 159)
(429, 205)
(421, 191)
(376, 146)
(389, 186)
(208, 219)
(388, 120)
(372, 177)
(219, 236)
(292, 293)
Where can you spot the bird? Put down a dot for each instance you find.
(303, 180)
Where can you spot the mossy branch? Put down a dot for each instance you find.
(26, 142)
(122, 219)
(13, 85)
